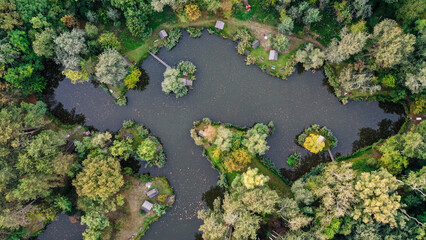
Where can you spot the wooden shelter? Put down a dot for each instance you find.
(186, 82)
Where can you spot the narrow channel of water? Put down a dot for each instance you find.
(225, 90)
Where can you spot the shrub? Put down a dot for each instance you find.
(129, 124)
(186, 66)
(173, 38)
(76, 76)
(146, 150)
(419, 104)
(195, 32)
(162, 197)
(388, 81)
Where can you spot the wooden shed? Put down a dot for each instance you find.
(219, 25)
(163, 34)
(147, 206)
(152, 193)
(255, 44)
(321, 139)
(273, 55)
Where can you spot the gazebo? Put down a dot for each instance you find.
(219, 25)
(163, 34)
(186, 82)
(273, 55)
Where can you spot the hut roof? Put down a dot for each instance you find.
(219, 25)
(321, 139)
(186, 82)
(163, 34)
(273, 55)
(147, 206)
(152, 193)
(255, 44)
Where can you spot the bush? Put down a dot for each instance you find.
(388, 81)
(109, 40)
(186, 67)
(133, 78)
(129, 124)
(280, 42)
(193, 12)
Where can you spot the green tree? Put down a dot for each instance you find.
(108, 40)
(111, 68)
(289, 211)
(312, 15)
(350, 43)
(172, 83)
(310, 56)
(147, 149)
(214, 226)
(286, 26)
(43, 44)
(280, 42)
(91, 30)
(9, 16)
(238, 160)
(260, 200)
(416, 82)
(223, 139)
(392, 158)
(391, 44)
(100, 178)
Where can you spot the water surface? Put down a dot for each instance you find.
(225, 90)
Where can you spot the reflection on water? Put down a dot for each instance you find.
(225, 90)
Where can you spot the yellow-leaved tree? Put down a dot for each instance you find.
(238, 160)
(314, 143)
(193, 11)
(76, 76)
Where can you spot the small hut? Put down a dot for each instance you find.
(201, 133)
(219, 25)
(163, 34)
(255, 44)
(273, 55)
(320, 139)
(147, 206)
(186, 82)
(152, 193)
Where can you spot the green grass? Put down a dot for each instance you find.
(162, 186)
(128, 42)
(269, 15)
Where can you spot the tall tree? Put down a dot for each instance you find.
(111, 68)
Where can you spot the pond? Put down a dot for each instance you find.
(225, 90)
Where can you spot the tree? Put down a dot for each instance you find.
(350, 44)
(391, 44)
(69, 48)
(173, 84)
(289, 211)
(121, 149)
(335, 189)
(410, 11)
(133, 78)
(111, 68)
(158, 5)
(108, 40)
(260, 200)
(223, 139)
(19, 40)
(113, 14)
(255, 140)
(379, 199)
(280, 42)
(213, 226)
(312, 15)
(416, 82)
(69, 21)
(313, 144)
(147, 149)
(301, 194)
(186, 67)
(76, 76)
(252, 178)
(26, 78)
(100, 178)
(91, 30)
(9, 16)
(43, 44)
(391, 158)
(137, 14)
(310, 57)
(193, 12)
(358, 79)
(237, 160)
(286, 26)
(211, 5)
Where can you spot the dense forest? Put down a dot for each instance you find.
(369, 50)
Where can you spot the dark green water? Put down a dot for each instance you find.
(225, 90)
